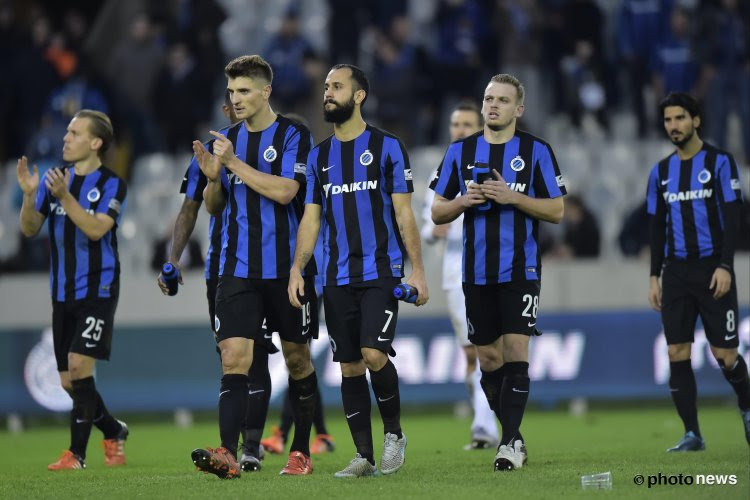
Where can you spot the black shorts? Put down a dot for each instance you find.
(83, 327)
(497, 309)
(361, 315)
(685, 295)
(244, 306)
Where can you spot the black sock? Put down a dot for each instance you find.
(258, 396)
(287, 417)
(319, 419)
(105, 422)
(385, 387)
(492, 383)
(684, 394)
(302, 395)
(513, 397)
(232, 409)
(355, 394)
(82, 415)
(738, 377)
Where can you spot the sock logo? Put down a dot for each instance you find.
(353, 414)
(252, 392)
(518, 390)
(303, 398)
(386, 399)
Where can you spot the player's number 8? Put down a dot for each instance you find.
(730, 321)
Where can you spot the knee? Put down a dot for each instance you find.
(490, 359)
(516, 350)
(726, 358)
(235, 361)
(679, 352)
(298, 362)
(374, 359)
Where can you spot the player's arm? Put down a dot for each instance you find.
(407, 226)
(31, 219)
(93, 226)
(210, 165)
(730, 199)
(445, 211)
(656, 205)
(546, 209)
(183, 228)
(279, 189)
(307, 236)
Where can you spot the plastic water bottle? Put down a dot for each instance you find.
(407, 293)
(170, 275)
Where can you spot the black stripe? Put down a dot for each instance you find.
(282, 231)
(331, 272)
(663, 175)
(95, 247)
(382, 261)
(712, 209)
(493, 245)
(215, 238)
(353, 231)
(254, 218)
(54, 255)
(230, 253)
(70, 241)
(468, 152)
(686, 208)
(518, 270)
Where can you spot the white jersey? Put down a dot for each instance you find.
(454, 243)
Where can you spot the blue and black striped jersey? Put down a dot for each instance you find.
(500, 242)
(192, 186)
(693, 194)
(353, 182)
(82, 268)
(260, 235)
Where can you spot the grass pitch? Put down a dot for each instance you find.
(561, 447)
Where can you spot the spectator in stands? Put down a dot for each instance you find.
(641, 26)
(634, 235)
(675, 67)
(295, 64)
(580, 232)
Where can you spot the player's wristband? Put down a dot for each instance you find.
(726, 266)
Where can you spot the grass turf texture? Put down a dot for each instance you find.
(561, 449)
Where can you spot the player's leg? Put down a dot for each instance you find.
(378, 327)
(720, 322)
(679, 313)
(296, 328)
(343, 320)
(259, 395)
(239, 315)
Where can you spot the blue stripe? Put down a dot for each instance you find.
(507, 214)
(481, 155)
(335, 177)
(267, 208)
(447, 169)
(530, 246)
(82, 241)
(240, 196)
(700, 212)
(675, 213)
(193, 174)
(723, 172)
(392, 149)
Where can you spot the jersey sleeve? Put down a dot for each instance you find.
(548, 181)
(445, 182)
(652, 191)
(728, 178)
(398, 176)
(41, 204)
(113, 199)
(313, 193)
(296, 149)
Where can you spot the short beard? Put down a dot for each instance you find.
(341, 113)
(681, 142)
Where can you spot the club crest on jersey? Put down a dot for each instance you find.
(93, 195)
(704, 176)
(269, 154)
(366, 158)
(517, 164)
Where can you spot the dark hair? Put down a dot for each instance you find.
(683, 100)
(227, 99)
(99, 126)
(359, 77)
(469, 106)
(249, 66)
